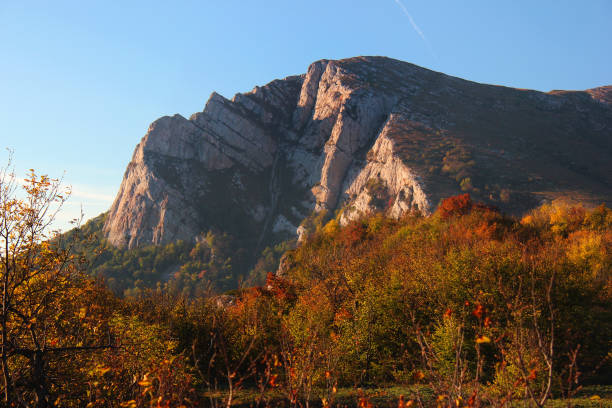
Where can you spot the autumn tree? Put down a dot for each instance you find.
(44, 317)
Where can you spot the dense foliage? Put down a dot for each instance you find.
(462, 297)
(466, 307)
(215, 260)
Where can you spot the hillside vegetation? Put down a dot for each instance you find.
(213, 262)
(461, 298)
(466, 307)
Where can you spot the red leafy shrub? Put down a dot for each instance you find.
(353, 233)
(457, 205)
(282, 289)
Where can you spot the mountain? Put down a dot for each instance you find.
(358, 135)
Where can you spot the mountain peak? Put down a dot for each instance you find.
(358, 135)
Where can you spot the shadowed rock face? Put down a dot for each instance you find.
(362, 134)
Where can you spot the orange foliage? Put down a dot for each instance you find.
(364, 402)
(282, 289)
(478, 311)
(353, 233)
(342, 315)
(247, 301)
(457, 205)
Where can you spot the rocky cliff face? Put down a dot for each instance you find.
(362, 134)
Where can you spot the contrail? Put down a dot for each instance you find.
(415, 26)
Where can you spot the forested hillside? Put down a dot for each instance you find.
(465, 307)
(215, 261)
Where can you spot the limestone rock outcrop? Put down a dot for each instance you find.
(358, 135)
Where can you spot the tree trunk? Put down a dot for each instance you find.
(6, 375)
(8, 389)
(39, 381)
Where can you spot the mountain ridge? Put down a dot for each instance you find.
(358, 135)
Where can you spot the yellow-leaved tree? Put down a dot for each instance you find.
(45, 317)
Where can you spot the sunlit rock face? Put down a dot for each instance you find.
(359, 135)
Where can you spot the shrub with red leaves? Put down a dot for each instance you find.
(456, 205)
(282, 289)
(353, 233)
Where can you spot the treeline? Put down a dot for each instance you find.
(216, 260)
(466, 307)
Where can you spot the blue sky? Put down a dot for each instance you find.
(80, 81)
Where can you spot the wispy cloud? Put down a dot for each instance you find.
(415, 26)
(85, 200)
(81, 192)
